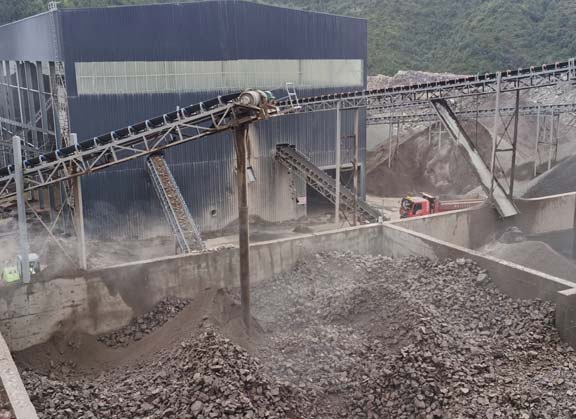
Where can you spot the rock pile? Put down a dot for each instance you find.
(352, 337)
(206, 376)
(139, 327)
(5, 408)
(412, 338)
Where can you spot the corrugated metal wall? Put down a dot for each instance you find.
(120, 202)
(33, 39)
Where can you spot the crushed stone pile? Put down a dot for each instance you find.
(413, 338)
(345, 336)
(165, 310)
(206, 376)
(5, 408)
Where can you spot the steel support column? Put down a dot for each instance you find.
(514, 144)
(390, 139)
(338, 162)
(537, 142)
(355, 165)
(22, 225)
(240, 138)
(501, 199)
(79, 215)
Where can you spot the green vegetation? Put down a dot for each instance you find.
(459, 36)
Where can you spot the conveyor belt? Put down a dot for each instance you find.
(407, 117)
(175, 209)
(423, 93)
(222, 113)
(504, 204)
(151, 136)
(297, 162)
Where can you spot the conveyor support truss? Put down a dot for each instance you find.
(319, 180)
(177, 213)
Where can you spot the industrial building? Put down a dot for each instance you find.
(90, 71)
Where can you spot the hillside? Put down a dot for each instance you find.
(458, 36)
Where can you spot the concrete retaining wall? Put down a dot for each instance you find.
(107, 299)
(474, 227)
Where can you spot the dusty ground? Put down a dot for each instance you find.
(340, 335)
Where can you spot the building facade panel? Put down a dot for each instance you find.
(35, 38)
(126, 64)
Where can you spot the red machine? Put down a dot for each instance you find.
(416, 206)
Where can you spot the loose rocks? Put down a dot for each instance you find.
(349, 336)
(139, 327)
(412, 338)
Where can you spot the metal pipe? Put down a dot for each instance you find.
(537, 142)
(240, 138)
(495, 133)
(397, 142)
(514, 144)
(551, 142)
(390, 132)
(356, 158)
(22, 226)
(79, 214)
(338, 162)
(20, 104)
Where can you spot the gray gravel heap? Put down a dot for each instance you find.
(165, 310)
(203, 377)
(411, 338)
(350, 336)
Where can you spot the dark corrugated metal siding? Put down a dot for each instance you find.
(215, 30)
(33, 39)
(120, 202)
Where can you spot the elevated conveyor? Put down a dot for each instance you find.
(177, 213)
(421, 94)
(502, 201)
(319, 180)
(140, 140)
(415, 117)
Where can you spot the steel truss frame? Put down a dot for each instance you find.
(319, 180)
(547, 135)
(508, 81)
(93, 155)
(504, 142)
(468, 114)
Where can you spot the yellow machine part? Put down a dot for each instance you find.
(10, 274)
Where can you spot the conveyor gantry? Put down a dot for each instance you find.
(504, 203)
(177, 213)
(319, 180)
(412, 117)
(224, 113)
(421, 94)
(140, 140)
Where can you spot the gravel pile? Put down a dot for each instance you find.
(348, 336)
(206, 376)
(411, 338)
(5, 408)
(139, 327)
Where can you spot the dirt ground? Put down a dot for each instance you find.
(340, 335)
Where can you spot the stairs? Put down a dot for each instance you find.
(298, 163)
(175, 209)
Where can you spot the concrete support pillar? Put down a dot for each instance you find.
(22, 224)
